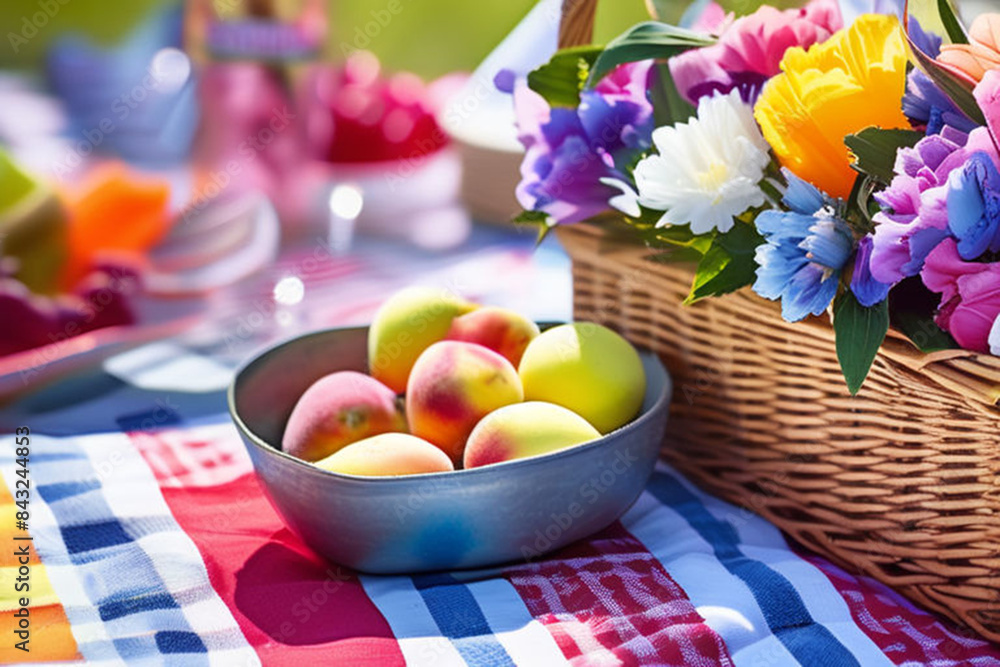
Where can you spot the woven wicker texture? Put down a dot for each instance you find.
(900, 482)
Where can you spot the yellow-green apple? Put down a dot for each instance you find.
(453, 385)
(339, 409)
(505, 332)
(388, 454)
(33, 228)
(587, 368)
(406, 325)
(525, 429)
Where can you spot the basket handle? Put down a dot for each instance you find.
(576, 24)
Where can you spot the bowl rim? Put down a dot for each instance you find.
(661, 401)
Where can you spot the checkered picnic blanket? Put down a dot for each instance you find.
(159, 545)
(152, 543)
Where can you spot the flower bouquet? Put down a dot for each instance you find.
(848, 172)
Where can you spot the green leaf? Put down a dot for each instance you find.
(728, 264)
(923, 332)
(646, 40)
(681, 236)
(670, 237)
(875, 150)
(537, 219)
(561, 79)
(860, 206)
(859, 333)
(949, 17)
(669, 107)
(531, 218)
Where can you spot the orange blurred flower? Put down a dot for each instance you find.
(853, 80)
(115, 213)
(973, 60)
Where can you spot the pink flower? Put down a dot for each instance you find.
(987, 95)
(970, 295)
(982, 54)
(750, 50)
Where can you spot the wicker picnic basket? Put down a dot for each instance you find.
(901, 482)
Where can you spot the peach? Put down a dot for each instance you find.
(339, 409)
(525, 429)
(453, 385)
(406, 325)
(503, 331)
(587, 368)
(388, 454)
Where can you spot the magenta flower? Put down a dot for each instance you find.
(987, 95)
(750, 50)
(970, 295)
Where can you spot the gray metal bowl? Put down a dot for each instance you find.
(510, 511)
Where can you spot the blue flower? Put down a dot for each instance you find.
(806, 250)
(974, 206)
(865, 287)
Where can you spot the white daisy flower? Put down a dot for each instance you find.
(707, 169)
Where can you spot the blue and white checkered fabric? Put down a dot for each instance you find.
(132, 583)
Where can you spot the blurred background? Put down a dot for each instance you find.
(428, 37)
(166, 166)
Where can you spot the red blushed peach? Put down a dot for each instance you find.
(452, 386)
(503, 331)
(337, 410)
(406, 325)
(525, 429)
(388, 454)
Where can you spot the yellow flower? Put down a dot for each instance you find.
(853, 80)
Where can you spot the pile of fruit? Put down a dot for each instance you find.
(481, 385)
(370, 116)
(71, 259)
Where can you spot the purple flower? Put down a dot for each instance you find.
(865, 287)
(569, 150)
(914, 216)
(925, 105)
(806, 250)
